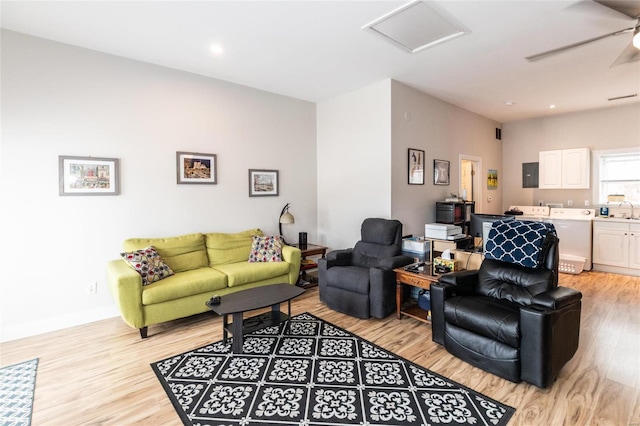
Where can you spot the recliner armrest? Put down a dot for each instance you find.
(448, 285)
(465, 281)
(339, 258)
(557, 298)
(394, 262)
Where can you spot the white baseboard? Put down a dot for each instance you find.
(616, 270)
(14, 332)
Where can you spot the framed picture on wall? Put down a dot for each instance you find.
(441, 172)
(263, 183)
(416, 167)
(492, 179)
(196, 168)
(88, 176)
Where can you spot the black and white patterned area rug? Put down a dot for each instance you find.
(316, 373)
(17, 386)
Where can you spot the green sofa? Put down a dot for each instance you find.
(204, 264)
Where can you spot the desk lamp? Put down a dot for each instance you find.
(285, 217)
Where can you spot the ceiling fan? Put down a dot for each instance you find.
(631, 53)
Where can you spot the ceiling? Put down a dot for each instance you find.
(316, 50)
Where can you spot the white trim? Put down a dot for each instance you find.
(19, 331)
(595, 163)
(476, 179)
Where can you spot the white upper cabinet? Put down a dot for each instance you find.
(550, 170)
(565, 169)
(576, 165)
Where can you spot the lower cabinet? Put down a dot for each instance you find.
(634, 246)
(616, 244)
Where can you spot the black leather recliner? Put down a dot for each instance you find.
(360, 281)
(511, 320)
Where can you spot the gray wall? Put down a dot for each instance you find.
(607, 128)
(63, 100)
(443, 131)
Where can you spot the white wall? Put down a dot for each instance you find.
(606, 128)
(354, 163)
(443, 131)
(63, 100)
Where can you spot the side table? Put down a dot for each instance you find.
(421, 279)
(310, 250)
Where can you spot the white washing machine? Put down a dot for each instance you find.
(575, 232)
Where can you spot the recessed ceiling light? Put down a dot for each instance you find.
(552, 106)
(217, 49)
(509, 103)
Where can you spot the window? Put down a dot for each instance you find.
(618, 173)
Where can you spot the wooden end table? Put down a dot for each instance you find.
(421, 279)
(310, 250)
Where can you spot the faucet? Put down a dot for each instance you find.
(624, 215)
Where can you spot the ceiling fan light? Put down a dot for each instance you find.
(636, 38)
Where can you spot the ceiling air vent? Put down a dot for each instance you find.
(417, 26)
(617, 98)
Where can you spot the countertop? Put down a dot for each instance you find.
(615, 219)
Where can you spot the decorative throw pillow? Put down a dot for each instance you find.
(519, 242)
(266, 249)
(148, 263)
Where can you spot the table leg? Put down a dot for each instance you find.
(287, 329)
(225, 327)
(237, 331)
(398, 299)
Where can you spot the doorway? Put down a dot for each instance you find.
(470, 188)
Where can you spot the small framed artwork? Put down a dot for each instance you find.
(263, 183)
(416, 167)
(196, 167)
(441, 172)
(492, 179)
(88, 175)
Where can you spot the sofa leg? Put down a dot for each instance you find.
(143, 332)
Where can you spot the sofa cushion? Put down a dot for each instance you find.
(182, 253)
(184, 284)
(266, 249)
(148, 263)
(496, 319)
(229, 248)
(240, 273)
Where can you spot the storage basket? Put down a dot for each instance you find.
(571, 264)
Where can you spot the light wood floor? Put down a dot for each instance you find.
(99, 374)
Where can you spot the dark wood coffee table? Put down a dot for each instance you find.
(238, 303)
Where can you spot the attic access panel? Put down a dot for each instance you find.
(417, 26)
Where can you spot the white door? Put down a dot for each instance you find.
(469, 179)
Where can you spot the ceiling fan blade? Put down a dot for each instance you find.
(629, 54)
(578, 44)
(626, 7)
